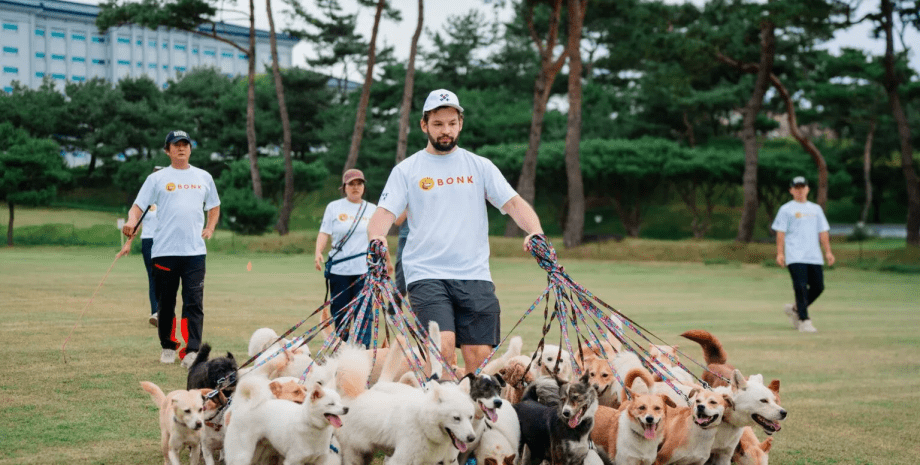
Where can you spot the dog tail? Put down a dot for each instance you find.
(514, 349)
(353, 368)
(155, 392)
(251, 391)
(260, 340)
(203, 353)
(640, 373)
(712, 348)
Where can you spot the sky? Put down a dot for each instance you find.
(399, 35)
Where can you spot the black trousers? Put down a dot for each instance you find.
(168, 272)
(808, 284)
(146, 247)
(340, 284)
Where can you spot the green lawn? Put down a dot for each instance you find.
(851, 390)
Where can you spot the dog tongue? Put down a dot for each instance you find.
(334, 420)
(460, 445)
(490, 412)
(649, 432)
(574, 421)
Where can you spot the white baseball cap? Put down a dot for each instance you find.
(442, 98)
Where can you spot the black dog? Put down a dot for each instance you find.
(558, 431)
(208, 374)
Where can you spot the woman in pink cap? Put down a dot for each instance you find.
(345, 222)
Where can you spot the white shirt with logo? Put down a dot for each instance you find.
(149, 225)
(448, 227)
(802, 222)
(181, 198)
(337, 221)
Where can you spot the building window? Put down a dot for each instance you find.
(179, 47)
(140, 42)
(59, 76)
(97, 61)
(152, 65)
(166, 85)
(10, 70)
(10, 51)
(57, 57)
(166, 67)
(78, 37)
(243, 56)
(58, 34)
(195, 51)
(8, 89)
(40, 32)
(124, 40)
(99, 40)
(79, 60)
(180, 69)
(39, 74)
(152, 43)
(10, 27)
(210, 53)
(124, 62)
(79, 78)
(226, 54)
(140, 64)
(165, 45)
(39, 54)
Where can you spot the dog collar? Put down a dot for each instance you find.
(215, 426)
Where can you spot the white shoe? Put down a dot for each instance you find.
(153, 319)
(807, 327)
(168, 356)
(189, 360)
(793, 315)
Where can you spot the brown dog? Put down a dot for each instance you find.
(517, 377)
(750, 450)
(181, 420)
(690, 431)
(716, 359)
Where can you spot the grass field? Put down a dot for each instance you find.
(851, 390)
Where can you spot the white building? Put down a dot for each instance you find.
(60, 39)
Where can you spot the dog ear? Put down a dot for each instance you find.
(465, 384)
(434, 390)
(509, 460)
(667, 401)
(275, 388)
(693, 392)
(585, 377)
(230, 356)
(501, 381)
(316, 393)
(729, 401)
(738, 380)
(490, 461)
(774, 386)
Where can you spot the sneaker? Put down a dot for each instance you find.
(168, 356)
(807, 327)
(153, 320)
(189, 360)
(793, 315)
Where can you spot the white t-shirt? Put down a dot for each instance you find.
(149, 225)
(802, 222)
(337, 221)
(448, 226)
(181, 197)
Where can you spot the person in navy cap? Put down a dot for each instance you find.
(182, 194)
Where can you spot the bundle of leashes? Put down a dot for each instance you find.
(591, 320)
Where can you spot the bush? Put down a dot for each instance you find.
(242, 212)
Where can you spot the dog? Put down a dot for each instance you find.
(559, 430)
(212, 435)
(485, 390)
(181, 420)
(302, 433)
(496, 364)
(517, 377)
(750, 450)
(717, 367)
(554, 361)
(633, 433)
(600, 374)
(664, 355)
(420, 427)
(265, 343)
(205, 373)
(755, 404)
(690, 431)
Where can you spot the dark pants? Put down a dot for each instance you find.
(808, 283)
(342, 295)
(146, 247)
(168, 271)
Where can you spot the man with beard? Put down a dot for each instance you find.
(446, 260)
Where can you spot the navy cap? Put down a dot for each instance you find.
(798, 181)
(176, 136)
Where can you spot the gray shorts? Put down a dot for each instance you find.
(468, 308)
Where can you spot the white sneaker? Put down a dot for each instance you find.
(153, 319)
(168, 356)
(807, 327)
(793, 315)
(189, 360)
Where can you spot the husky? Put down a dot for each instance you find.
(754, 405)
(559, 430)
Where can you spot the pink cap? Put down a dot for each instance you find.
(351, 175)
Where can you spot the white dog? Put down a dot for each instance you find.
(546, 363)
(754, 405)
(302, 433)
(420, 427)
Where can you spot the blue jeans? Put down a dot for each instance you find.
(342, 295)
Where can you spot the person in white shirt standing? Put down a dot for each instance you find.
(181, 193)
(446, 258)
(345, 222)
(800, 227)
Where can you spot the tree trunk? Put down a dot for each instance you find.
(9, 226)
(749, 133)
(361, 117)
(549, 68)
(287, 204)
(629, 215)
(573, 232)
(892, 83)
(251, 106)
(402, 142)
(867, 172)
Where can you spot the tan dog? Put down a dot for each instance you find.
(690, 431)
(517, 377)
(663, 355)
(633, 433)
(181, 420)
(600, 376)
(750, 450)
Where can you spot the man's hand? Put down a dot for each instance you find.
(318, 261)
(527, 241)
(125, 249)
(206, 233)
(129, 229)
(781, 260)
(830, 258)
(382, 239)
